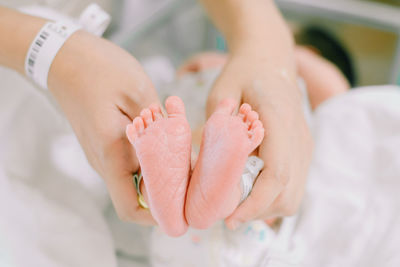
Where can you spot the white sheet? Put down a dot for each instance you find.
(50, 215)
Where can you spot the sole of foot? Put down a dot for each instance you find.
(228, 139)
(163, 147)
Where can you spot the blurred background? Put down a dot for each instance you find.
(357, 139)
(366, 31)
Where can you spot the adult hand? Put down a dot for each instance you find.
(101, 88)
(286, 150)
(261, 71)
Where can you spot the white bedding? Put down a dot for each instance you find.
(55, 210)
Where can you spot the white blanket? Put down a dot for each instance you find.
(55, 210)
(351, 211)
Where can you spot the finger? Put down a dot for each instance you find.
(266, 189)
(223, 89)
(120, 184)
(140, 95)
(124, 197)
(286, 204)
(289, 200)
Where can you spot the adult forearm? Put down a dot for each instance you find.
(254, 26)
(17, 30)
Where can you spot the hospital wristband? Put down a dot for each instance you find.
(44, 49)
(253, 167)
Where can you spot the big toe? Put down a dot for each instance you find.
(174, 106)
(226, 106)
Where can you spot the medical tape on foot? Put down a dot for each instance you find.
(253, 167)
(44, 48)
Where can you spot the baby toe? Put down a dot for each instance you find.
(138, 124)
(251, 117)
(244, 110)
(174, 106)
(131, 133)
(226, 106)
(134, 129)
(147, 117)
(156, 111)
(256, 124)
(256, 133)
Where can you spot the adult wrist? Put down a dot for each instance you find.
(17, 31)
(255, 24)
(72, 63)
(44, 48)
(88, 64)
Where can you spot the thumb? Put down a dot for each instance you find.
(222, 89)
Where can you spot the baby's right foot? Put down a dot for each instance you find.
(214, 191)
(163, 146)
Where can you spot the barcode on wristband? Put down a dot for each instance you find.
(44, 48)
(38, 43)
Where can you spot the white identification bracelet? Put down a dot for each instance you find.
(44, 48)
(253, 167)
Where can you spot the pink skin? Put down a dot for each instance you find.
(309, 63)
(163, 147)
(214, 190)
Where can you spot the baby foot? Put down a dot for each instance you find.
(214, 190)
(163, 146)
